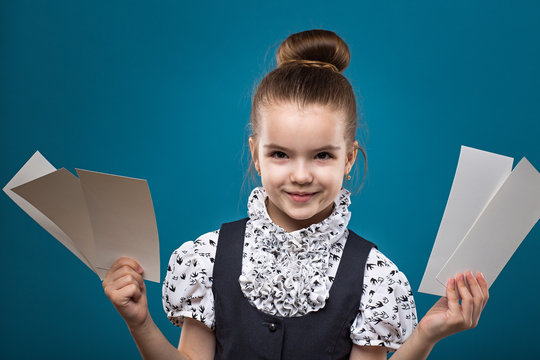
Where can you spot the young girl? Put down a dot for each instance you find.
(291, 281)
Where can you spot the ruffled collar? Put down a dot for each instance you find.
(285, 273)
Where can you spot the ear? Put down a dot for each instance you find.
(351, 157)
(254, 153)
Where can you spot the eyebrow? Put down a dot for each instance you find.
(279, 147)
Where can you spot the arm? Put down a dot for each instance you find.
(197, 342)
(125, 288)
(367, 353)
(447, 316)
(153, 345)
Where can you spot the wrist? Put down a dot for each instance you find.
(424, 335)
(417, 346)
(143, 327)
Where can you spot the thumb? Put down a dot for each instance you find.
(128, 293)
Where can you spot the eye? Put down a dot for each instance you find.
(324, 156)
(278, 155)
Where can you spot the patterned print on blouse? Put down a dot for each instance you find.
(287, 274)
(387, 312)
(187, 288)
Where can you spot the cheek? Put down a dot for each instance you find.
(272, 169)
(271, 175)
(329, 176)
(334, 184)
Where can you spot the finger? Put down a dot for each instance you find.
(123, 271)
(137, 294)
(112, 273)
(484, 286)
(127, 293)
(467, 304)
(127, 271)
(452, 296)
(123, 290)
(127, 280)
(478, 296)
(121, 261)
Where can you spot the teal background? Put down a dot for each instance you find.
(161, 90)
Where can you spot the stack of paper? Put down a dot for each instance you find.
(98, 217)
(489, 212)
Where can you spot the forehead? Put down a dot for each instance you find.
(314, 125)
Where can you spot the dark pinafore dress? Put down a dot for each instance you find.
(244, 332)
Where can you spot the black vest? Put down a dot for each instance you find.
(244, 332)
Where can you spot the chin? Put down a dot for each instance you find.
(302, 215)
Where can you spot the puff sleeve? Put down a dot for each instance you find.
(387, 314)
(187, 288)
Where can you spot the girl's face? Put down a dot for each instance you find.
(302, 157)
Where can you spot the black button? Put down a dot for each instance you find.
(272, 327)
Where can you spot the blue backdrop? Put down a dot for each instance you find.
(161, 90)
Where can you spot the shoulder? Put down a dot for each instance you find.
(381, 270)
(383, 281)
(187, 288)
(203, 248)
(192, 262)
(203, 243)
(387, 313)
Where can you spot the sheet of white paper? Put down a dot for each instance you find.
(501, 227)
(36, 167)
(123, 219)
(59, 197)
(478, 176)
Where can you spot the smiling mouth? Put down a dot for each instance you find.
(301, 196)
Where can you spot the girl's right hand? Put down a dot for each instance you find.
(124, 286)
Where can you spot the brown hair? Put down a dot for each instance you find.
(309, 67)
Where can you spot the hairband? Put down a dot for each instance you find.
(314, 63)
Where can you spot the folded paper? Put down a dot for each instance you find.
(501, 227)
(98, 217)
(489, 212)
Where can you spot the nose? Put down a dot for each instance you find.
(301, 173)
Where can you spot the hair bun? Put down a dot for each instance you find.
(315, 45)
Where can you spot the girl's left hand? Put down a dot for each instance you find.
(448, 316)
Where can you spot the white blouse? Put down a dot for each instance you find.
(290, 274)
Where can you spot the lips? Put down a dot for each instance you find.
(300, 196)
